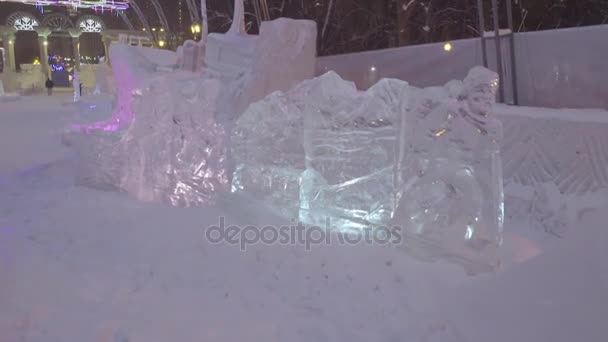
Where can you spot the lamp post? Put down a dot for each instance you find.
(75, 34)
(43, 43)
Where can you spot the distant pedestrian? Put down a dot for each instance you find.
(49, 86)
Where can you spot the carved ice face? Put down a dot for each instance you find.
(481, 100)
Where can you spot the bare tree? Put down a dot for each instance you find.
(327, 16)
(205, 21)
(238, 19)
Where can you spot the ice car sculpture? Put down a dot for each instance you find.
(424, 159)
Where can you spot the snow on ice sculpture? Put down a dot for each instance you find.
(451, 196)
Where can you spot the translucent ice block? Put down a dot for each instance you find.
(450, 194)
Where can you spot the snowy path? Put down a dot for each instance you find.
(83, 265)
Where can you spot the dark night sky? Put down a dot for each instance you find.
(359, 25)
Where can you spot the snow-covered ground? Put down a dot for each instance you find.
(78, 264)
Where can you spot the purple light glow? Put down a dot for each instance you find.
(123, 115)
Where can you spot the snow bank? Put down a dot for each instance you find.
(126, 270)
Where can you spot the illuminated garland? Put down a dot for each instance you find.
(111, 5)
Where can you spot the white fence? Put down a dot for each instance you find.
(555, 68)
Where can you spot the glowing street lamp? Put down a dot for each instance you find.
(161, 43)
(195, 28)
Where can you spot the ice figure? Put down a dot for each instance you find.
(451, 192)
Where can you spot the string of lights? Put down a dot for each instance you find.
(110, 5)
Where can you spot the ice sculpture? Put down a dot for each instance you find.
(451, 195)
(280, 57)
(175, 150)
(173, 153)
(322, 150)
(267, 142)
(133, 68)
(350, 145)
(190, 56)
(424, 159)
